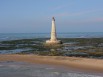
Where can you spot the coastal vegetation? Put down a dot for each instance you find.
(78, 47)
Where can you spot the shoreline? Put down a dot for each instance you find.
(84, 64)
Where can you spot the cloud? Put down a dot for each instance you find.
(59, 7)
(88, 21)
(77, 13)
(93, 20)
(62, 6)
(61, 14)
(99, 19)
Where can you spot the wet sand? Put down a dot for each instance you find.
(85, 65)
(22, 69)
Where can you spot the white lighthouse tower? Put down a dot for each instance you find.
(53, 39)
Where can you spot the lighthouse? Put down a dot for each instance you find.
(53, 39)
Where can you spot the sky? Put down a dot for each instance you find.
(35, 16)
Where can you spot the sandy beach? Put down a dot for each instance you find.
(86, 64)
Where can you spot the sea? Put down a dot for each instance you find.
(16, 36)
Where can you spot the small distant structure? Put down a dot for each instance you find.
(53, 39)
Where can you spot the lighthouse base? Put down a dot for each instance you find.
(54, 42)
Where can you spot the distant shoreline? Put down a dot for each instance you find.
(86, 64)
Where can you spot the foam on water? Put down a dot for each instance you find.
(13, 51)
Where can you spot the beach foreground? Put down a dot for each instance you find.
(85, 64)
(23, 69)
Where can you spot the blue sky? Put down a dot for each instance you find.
(34, 16)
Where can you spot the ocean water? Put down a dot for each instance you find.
(14, 36)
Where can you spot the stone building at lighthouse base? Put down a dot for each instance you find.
(54, 42)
